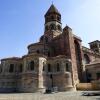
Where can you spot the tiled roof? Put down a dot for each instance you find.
(52, 9)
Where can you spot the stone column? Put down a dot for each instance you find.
(41, 87)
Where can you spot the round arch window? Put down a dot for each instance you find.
(52, 17)
(59, 27)
(58, 67)
(0, 70)
(31, 65)
(86, 59)
(52, 27)
(58, 18)
(38, 51)
(11, 68)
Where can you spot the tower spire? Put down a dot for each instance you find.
(53, 20)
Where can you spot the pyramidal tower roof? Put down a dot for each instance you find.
(52, 9)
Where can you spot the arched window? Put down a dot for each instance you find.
(98, 75)
(48, 53)
(52, 27)
(53, 50)
(11, 68)
(58, 18)
(0, 69)
(86, 59)
(89, 77)
(58, 67)
(38, 51)
(49, 67)
(20, 68)
(31, 65)
(59, 27)
(52, 17)
(67, 67)
(77, 51)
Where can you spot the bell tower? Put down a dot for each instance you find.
(53, 25)
(95, 46)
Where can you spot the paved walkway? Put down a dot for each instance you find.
(55, 96)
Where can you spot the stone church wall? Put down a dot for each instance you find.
(8, 80)
(59, 78)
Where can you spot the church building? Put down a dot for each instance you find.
(58, 61)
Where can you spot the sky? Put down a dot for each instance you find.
(22, 22)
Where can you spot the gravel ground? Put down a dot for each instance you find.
(53, 96)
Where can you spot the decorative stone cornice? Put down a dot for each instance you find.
(12, 58)
(34, 55)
